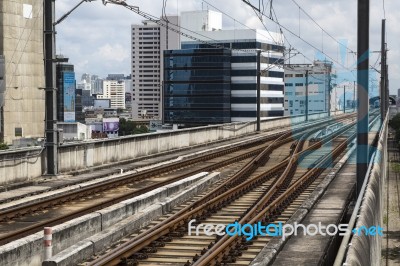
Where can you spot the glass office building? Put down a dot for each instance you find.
(217, 83)
(197, 86)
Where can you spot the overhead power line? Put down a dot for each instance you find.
(323, 30)
(241, 23)
(174, 27)
(305, 41)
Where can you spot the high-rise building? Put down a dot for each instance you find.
(319, 78)
(87, 98)
(96, 84)
(208, 85)
(83, 85)
(115, 76)
(149, 40)
(22, 110)
(66, 93)
(203, 20)
(115, 91)
(86, 77)
(79, 114)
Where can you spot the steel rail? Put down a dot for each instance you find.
(171, 224)
(226, 247)
(197, 210)
(63, 198)
(90, 190)
(95, 188)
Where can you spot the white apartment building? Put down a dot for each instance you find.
(115, 91)
(319, 79)
(149, 40)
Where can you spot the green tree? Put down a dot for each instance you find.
(130, 128)
(141, 130)
(3, 146)
(395, 124)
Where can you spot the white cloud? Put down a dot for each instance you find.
(115, 52)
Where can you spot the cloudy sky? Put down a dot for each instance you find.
(96, 38)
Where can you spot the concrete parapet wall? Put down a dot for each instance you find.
(21, 165)
(96, 243)
(366, 249)
(25, 251)
(29, 250)
(76, 157)
(25, 165)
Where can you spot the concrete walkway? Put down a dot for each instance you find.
(391, 216)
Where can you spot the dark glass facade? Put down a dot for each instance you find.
(248, 44)
(79, 115)
(60, 70)
(197, 86)
(87, 98)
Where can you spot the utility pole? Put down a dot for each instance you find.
(383, 75)
(307, 95)
(329, 95)
(51, 143)
(258, 89)
(387, 82)
(362, 91)
(344, 99)
(50, 89)
(354, 96)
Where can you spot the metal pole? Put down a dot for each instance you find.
(258, 89)
(362, 91)
(344, 99)
(386, 85)
(47, 242)
(354, 96)
(335, 100)
(329, 94)
(51, 101)
(383, 76)
(307, 95)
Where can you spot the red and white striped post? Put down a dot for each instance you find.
(47, 242)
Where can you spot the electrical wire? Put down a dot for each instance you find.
(305, 41)
(229, 16)
(163, 12)
(316, 23)
(262, 22)
(311, 45)
(179, 29)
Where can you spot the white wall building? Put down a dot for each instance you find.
(205, 20)
(115, 91)
(74, 131)
(319, 79)
(83, 85)
(149, 40)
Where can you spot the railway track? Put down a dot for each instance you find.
(17, 222)
(253, 194)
